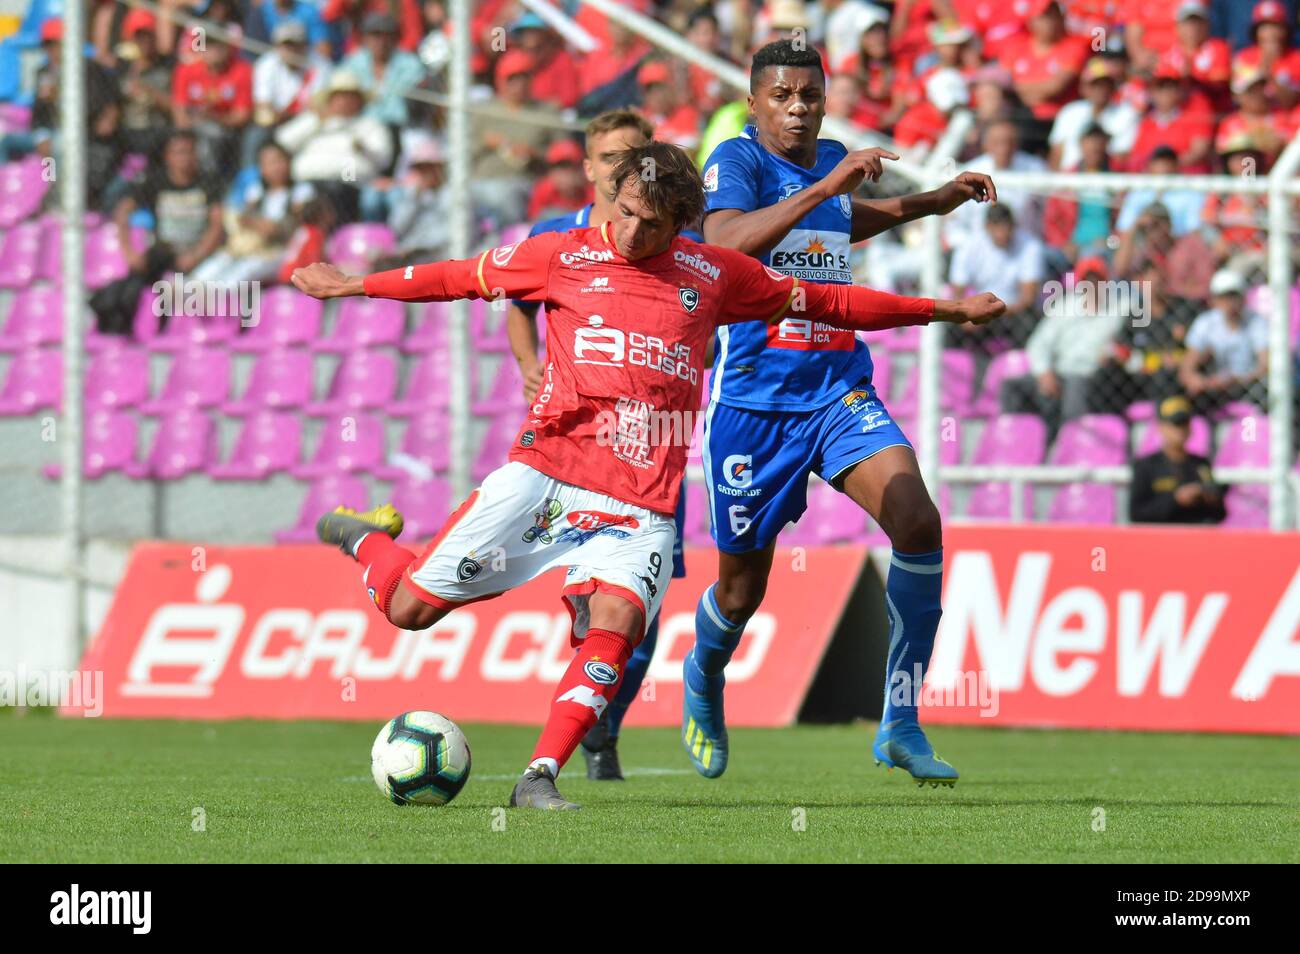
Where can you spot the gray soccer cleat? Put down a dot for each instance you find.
(343, 527)
(600, 749)
(537, 790)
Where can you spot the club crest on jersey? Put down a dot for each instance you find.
(854, 398)
(689, 298)
(501, 256)
(846, 204)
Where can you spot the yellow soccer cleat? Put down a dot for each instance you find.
(344, 527)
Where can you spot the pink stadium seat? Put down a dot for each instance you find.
(1198, 440)
(34, 382)
(279, 379)
(425, 505)
(1083, 503)
(349, 443)
(1141, 411)
(186, 442)
(497, 441)
(696, 530)
(144, 326)
(428, 384)
(35, 319)
(507, 393)
(23, 185)
(512, 234)
(424, 450)
(198, 378)
(1246, 446)
(834, 517)
(882, 374)
(110, 439)
(18, 257)
(487, 327)
(1016, 439)
(365, 322)
(957, 380)
(1238, 411)
(354, 247)
(105, 262)
(117, 378)
(334, 490)
(186, 331)
(1094, 440)
(907, 338)
(49, 259)
(1008, 364)
(363, 380)
(433, 332)
(286, 317)
(270, 442)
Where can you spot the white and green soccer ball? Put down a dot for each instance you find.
(420, 758)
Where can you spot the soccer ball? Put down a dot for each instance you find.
(420, 758)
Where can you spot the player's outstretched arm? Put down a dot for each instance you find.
(873, 216)
(323, 280)
(866, 309)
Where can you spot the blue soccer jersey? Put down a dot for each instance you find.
(800, 364)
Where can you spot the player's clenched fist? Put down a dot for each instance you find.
(977, 309)
(323, 280)
(967, 186)
(858, 165)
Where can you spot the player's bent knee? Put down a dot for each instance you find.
(406, 611)
(740, 597)
(918, 529)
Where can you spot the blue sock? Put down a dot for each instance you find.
(716, 638)
(912, 595)
(633, 675)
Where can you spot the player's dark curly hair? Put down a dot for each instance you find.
(783, 53)
(668, 179)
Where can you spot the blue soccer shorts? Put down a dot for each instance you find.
(756, 463)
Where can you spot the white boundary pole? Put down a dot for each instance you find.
(70, 175)
(458, 134)
(1281, 515)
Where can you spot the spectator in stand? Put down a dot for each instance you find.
(1255, 119)
(949, 40)
(998, 24)
(1144, 363)
(883, 84)
(185, 207)
(624, 52)
(555, 70)
(1187, 261)
(1235, 20)
(1045, 64)
(1174, 485)
(1236, 222)
(1081, 224)
(1067, 349)
(435, 48)
(420, 209)
(271, 14)
(994, 101)
(386, 73)
(1098, 106)
(1006, 260)
(1001, 153)
(1149, 29)
(1168, 122)
(924, 124)
(707, 92)
(307, 245)
(144, 80)
(1204, 59)
(673, 120)
(1227, 349)
(213, 96)
(1183, 205)
(285, 78)
(260, 221)
(1272, 52)
(844, 100)
(348, 16)
(508, 152)
(337, 146)
(564, 188)
(842, 26)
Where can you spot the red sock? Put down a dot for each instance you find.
(585, 689)
(385, 562)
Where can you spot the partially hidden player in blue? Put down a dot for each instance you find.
(782, 195)
(606, 134)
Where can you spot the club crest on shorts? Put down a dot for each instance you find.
(601, 673)
(542, 521)
(690, 297)
(468, 569)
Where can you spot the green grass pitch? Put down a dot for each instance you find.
(74, 790)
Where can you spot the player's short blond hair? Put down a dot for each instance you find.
(613, 119)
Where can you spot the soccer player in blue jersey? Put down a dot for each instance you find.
(606, 135)
(798, 399)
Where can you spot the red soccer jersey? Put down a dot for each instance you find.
(625, 344)
(193, 84)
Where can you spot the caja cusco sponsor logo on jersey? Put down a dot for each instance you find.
(698, 264)
(818, 256)
(586, 254)
(614, 348)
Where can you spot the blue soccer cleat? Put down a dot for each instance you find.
(902, 743)
(704, 733)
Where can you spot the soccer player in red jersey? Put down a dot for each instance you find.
(593, 477)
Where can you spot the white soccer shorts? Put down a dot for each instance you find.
(520, 523)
